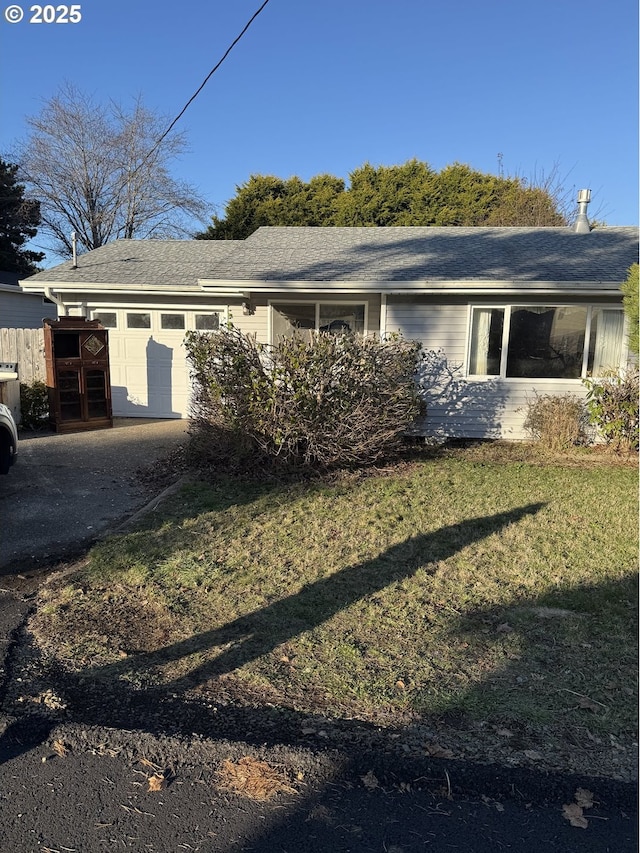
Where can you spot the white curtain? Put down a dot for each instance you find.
(608, 345)
(480, 341)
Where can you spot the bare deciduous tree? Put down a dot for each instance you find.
(96, 170)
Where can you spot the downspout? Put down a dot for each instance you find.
(62, 309)
(383, 316)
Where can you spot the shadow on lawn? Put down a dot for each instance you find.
(100, 697)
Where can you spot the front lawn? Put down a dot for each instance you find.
(495, 594)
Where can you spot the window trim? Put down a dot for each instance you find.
(506, 329)
(273, 303)
(144, 329)
(182, 314)
(121, 310)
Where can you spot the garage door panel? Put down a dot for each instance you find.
(149, 373)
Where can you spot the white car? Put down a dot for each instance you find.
(8, 439)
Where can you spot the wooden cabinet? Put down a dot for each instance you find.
(77, 360)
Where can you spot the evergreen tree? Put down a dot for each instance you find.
(19, 220)
(408, 194)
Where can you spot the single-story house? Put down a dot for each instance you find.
(502, 313)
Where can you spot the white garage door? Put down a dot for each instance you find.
(147, 357)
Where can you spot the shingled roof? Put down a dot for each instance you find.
(157, 263)
(446, 254)
(398, 254)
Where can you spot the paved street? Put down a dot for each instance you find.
(96, 798)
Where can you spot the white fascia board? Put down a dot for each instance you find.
(240, 288)
(409, 288)
(90, 287)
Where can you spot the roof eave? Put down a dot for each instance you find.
(112, 287)
(407, 288)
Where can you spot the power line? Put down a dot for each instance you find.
(203, 84)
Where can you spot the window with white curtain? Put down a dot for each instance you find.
(486, 341)
(605, 344)
(545, 341)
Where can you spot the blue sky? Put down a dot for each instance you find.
(317, 87)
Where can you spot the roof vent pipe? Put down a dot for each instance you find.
(74, 248)
(581, 225)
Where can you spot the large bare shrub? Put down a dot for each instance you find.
(557, 421)
(333, 400)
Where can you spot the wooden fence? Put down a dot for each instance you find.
(26, 348)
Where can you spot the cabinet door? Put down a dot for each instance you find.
(96, 393)
(70, 394)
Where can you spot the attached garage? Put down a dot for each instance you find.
(149, 369)
(146, 293)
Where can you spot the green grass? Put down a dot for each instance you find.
(503, 591)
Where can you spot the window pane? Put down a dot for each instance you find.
(172, 321)
(605, 344)
(109, 319)
(293, 320)
(342, 318)
(208, 322)
(486, 341)
(96, 394)
(138, 321)
(546, 342)
(69, 395)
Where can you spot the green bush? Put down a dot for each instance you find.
(612, 403)
(556, 421)
(333, 400)
(34, 406)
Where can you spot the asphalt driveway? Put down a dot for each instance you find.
(67, 490)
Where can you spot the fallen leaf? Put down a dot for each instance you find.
(589, 704)
(573, 813)
(533, 754)
(321, 813)
(157, 782)
(370, 781)
(400, 684)
(584, 798)
(59, 748)
(437, 751)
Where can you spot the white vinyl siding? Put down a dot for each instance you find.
(462, 406)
